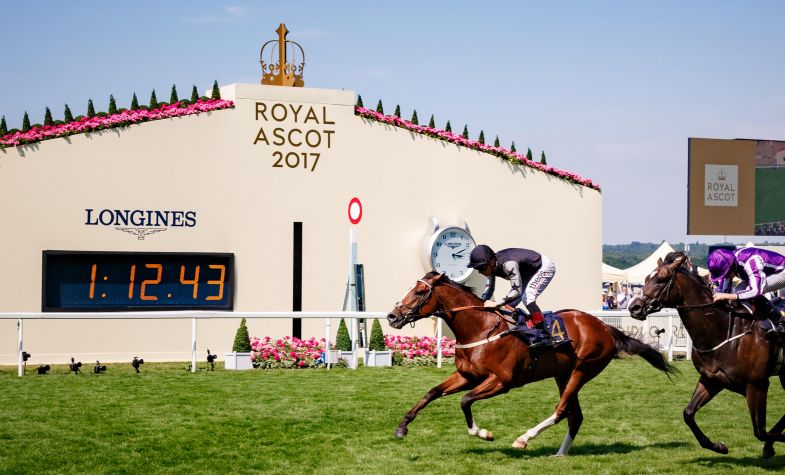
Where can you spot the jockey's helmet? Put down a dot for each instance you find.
(480, 256)
(720, 262)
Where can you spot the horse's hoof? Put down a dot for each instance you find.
(519, 444)
(720, 448)
(401, 431)
(768, 451)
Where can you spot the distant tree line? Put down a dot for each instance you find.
(623, 256)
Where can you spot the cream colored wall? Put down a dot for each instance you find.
(210, 164)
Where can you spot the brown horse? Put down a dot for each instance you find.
(729, 350)
(494, 361)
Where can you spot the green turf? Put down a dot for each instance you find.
(769, 195)
(166, 420)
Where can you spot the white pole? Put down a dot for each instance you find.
(438, 342)
(646, 335)
(327, 341)
(353, 294)
(670, 338)
(193, 345)
(689, 347)
(20, 326)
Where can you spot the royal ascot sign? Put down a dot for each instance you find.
(722, 184)
(298, 134)
(138, 222)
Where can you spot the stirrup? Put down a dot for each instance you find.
(543, 342)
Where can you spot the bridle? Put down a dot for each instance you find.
(409, 315)
(655, 304)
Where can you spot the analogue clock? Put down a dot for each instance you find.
(449, 250)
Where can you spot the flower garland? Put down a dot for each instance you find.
(121, 119)
(457, 139)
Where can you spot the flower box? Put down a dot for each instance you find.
(378, 358)
(333, 356)
(238, 361)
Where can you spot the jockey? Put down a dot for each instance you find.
(529, 273)
(763, 271)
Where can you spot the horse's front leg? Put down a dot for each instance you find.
(492, 386)
(454, 383)
(705, 390)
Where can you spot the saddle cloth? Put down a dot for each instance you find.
(553, 322)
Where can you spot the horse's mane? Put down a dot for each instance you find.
(447, 280)
(671, 257)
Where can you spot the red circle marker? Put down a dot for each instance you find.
(355, 210)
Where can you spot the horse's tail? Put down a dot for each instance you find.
(633, 346)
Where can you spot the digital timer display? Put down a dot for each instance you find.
(115, 281)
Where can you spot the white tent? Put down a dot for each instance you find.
(637, 274)
(612, 274)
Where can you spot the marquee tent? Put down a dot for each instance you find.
(612, 274)
(637, 273)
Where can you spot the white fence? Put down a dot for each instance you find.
(664, 329)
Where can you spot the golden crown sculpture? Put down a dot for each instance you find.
(285, 72)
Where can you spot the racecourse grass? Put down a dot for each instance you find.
(338, 421)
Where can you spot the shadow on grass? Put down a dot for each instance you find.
(727, 462)
(587, 449)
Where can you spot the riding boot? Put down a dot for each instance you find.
(543, 339)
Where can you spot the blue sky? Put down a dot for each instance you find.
(610, 90)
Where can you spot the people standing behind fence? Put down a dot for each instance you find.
(622, 298)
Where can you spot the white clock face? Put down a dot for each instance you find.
(449, 253)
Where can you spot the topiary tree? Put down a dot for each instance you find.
(529, 154)
(432, 123)
(25, 122)
(542, 158)
(448, 127)
(397, 111)
(216, 94)
(512, 147)
(173, 95)
(3, 127)
(242, 342)
(415, 120)
(481, 139)
(379, 107)
(377, 337)
(134, 103)
(194, 94)
(67, 115)
(153, 101)
(343, 341)
(48, 117)
(496, 142)
(465, 133)
(90, 108)
(359, 101)
(112, 105)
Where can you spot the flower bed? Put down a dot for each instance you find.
(287, 352)
(457, 139)
(419, 350)
(121, 119)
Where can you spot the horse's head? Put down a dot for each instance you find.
(662, 288)
(417, 303)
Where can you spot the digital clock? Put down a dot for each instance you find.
(114, 281)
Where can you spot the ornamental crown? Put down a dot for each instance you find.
(286, 72)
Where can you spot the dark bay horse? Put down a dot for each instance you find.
(729, 350)
(495, 362)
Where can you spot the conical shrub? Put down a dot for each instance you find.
(173, 95)
(216, 94)
(25, 122)
(359, 101)
(48, 117)
(542, 158)
(432, 123)
(153, 101)
(194, 94)
(343, 341)
(67, 115)
(377, 337)
(379, 107)
(465, 133)
(415, 120)
(134, 103)
(242, 342)
(112, 105)
(397, 111)
(3, 127)
(90, 108)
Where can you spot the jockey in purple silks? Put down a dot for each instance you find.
(763, 271)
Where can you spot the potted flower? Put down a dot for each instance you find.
(377, 353)
(240, 357)
(343, 347)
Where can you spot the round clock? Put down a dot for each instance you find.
(448, 252)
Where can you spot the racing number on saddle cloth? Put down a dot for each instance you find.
(556, 326)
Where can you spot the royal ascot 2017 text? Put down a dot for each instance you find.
(312, 136)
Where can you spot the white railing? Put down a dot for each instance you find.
(675, 336)
(194, 315)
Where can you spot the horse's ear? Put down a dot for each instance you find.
(439, 277)
(659, 261)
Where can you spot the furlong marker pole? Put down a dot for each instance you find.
(20, 327)
(193, 345)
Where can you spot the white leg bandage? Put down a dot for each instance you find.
(566, 445)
